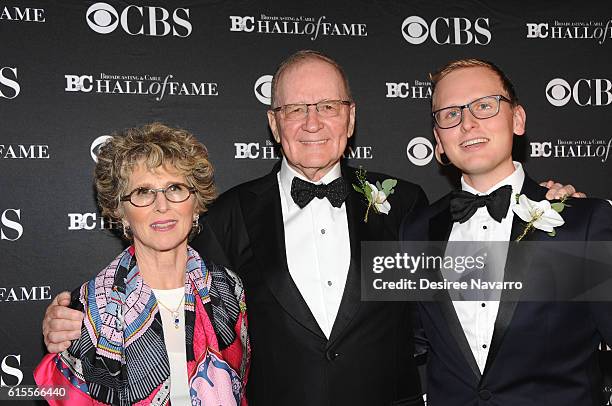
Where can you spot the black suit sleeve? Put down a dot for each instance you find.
(207, 245)
(413, 230)
(414, 199)
(600, 229)
(415, 225)
(421, 344)
(219, 229)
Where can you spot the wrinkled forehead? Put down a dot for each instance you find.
(143, 168)
(310, 77)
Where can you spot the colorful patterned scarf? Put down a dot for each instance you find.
(121, 358)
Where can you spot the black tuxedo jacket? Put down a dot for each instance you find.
(541, 353)
(368, 359)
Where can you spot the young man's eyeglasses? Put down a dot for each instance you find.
(482, 108)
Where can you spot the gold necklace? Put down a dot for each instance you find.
(175, 312)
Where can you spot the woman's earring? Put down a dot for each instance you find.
(196, 227)
(127, 232)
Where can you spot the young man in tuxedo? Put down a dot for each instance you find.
(490, 352)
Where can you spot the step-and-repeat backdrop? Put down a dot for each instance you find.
(72, 72)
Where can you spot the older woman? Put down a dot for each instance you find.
(161, 323)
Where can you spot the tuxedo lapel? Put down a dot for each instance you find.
(351, 298)
(440, 227)
(454, 325)
(264, 222)
(505, 313)
(515, 267)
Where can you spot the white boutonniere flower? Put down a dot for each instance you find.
(376, 194)
(379, 198)
(540, 215)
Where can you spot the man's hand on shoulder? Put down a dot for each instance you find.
(559, 191)
(61, 323)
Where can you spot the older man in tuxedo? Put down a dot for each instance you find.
(294, 236)
(491, 352)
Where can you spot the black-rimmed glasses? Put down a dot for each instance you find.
(481, 108)
(142, 197)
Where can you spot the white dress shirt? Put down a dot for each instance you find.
(318, 247)
(478, 317)
(174, 338)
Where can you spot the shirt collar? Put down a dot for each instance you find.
(287, 173)
(515, 180)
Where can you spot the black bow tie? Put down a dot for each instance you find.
(464, 204)
(303, 192)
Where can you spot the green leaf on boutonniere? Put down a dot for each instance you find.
(552, 233)
(558, 206)
(368, 191)
(388, 185)
(357, 188)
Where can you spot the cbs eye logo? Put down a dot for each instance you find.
(420, 151)
(415, 30)
(558, 92)
(263, 89)
(102, 18)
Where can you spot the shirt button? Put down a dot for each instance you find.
(484, 227)
(329, 283)
(484, 346)
(483, 305)
(322, 231)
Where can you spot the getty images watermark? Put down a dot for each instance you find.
(485, 270)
